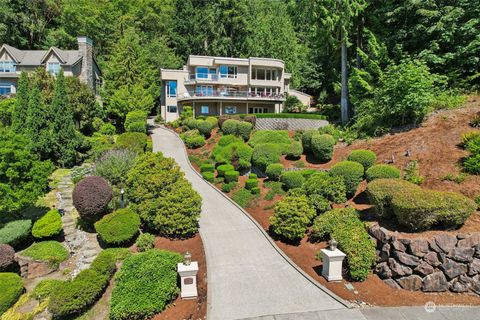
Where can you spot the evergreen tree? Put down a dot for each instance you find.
(37, 126)
(20, 111)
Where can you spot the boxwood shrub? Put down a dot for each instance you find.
(307, 139)
(294, 150)
(52, 252)
(193, 139)
(251, 183)
(292, 179)
(366, 158)
(205, 128)
(382, 171)
(330, 187)
(227, 187)
(351, 172)
(118, 227)
(209, 176)
(15, 232)
(279, 137)
(227, 139)
(145, 285)
(145, 241)
(349, 231)
(265, 154)
(322, 146)
(274, 171)
(134, 141)
(224, 168)
(230, 126)
(11, 288)
(231, 176)
(207, 167)
(291, 217)
(49, 225)
(381, 191)
(244, 129)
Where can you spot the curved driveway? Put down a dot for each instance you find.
(247, 277)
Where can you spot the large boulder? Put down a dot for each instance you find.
(7, 256)
(424, 269)
(474, 267)
(435, 282)
(383, 270)
(471, 241)
(476, 284)
(392, 283)
(446, 242)
(398, 245)
(453, 269)
(411, 283)
(432, 259)
(380, 233)
(461, 254)
(460, 284)
(398, 269)
(407, 259)
(419, 247)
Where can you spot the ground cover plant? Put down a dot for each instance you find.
(118, 227)
(49, 225)
(52, 252)
(15, 232)
(11, 288)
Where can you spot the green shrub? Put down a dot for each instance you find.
(255, 190)
(242, 197)
(351, 172)
(319, 202)
(244, 129)
(223, 169)
(209, 176)
(381, 191)
(366, 158)
(133, 141)
(291, 217)
(322, 146)
(46, 288)
(294, 150)
(279, 137)
(15, 232)
(330, 187)
(106, 261)
(48, 226)
(107, 129)
(114, 165)
(296, 192)
(349, 231)
(118, 227)
(307, 173)
(307, 139)
(252, 176)
(472, 164)
(207, 167)
(266, 154)
(11, 288)
(225, 140)
(205, 128)
(193, 139)
(382, 171)
(230, 126)
(137, 127)
(412, 173)
(145, 285)
(274, 171)
(213, 121)
(231, 176)
(190, 124)
(227, 187)
(145, 241)
(52, 252)
(292, 179)
(251, 183)
(136, 121)
(237, 153)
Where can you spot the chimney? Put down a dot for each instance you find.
(85, 47)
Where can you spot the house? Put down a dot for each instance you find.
(219, 85)
(80, 63)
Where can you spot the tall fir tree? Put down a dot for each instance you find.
(37, 126)
(19, 116)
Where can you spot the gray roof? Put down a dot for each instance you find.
(37, 57)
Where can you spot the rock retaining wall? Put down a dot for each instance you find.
(444, 262)
(288, 124)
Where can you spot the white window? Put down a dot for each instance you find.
(204, 110)
(53, 67)
(230, 109)
(5, 88)
(7, 66)
(172, 109)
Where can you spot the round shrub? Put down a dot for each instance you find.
(227, 187)
(292, 179)
(244, 129)
(382, 171)
(252, 176)
(48, 226)
(15, 232)
(274, 171)
(209, 176)
(193, 139)
(330, 187)
(230, 126)
(205, 128)
(294, 150)
(11, 288)
(251, 183)
(145, 241)
(381, 191)
(52, 252)
(231, 176)
(238, 153)
(278, 137)
(307, 139)
(225, 140)
(224, 168)
(265, 154)
(213, 121)
(137, 127)
(291, 217)
(322, 146)
(366, 158)
(7, 256)
(191, 123)
(255, 190)
(91, 197)
(133, 141)
(118, 227)
(107, 129)
(207, 167)
(351, 172)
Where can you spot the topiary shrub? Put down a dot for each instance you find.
(193, 139)
(227, 187)
(52, 252)
(251, 183)
(209, 176)
(133, 141)
(49, 225)
(265, 154)
(207, 167)
(244, 129)
(91, 197)
(292, 179)
(237, 153)
(7, 256)
(366, 158)
(291, 217)
(381, 191)
(294, 150)
(118, 227)
(205, 128)
(11, 288)
(349, 231)
(230, 126)
(274, 171)
(224, 168)
(307, 139)
(15, 232)
(330, 187)
(351, 172)
(322, 146)
(145, 241)
(231, 176)
(152, 277)
(382, 171)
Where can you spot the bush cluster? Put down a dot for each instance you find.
(292, 179)
(274, 171)
(351, 173)
(11, 288)
(209, 176)
(251, 183)
(15, 232)
(330, 187)
(145, 241)
(145, 285)
(349, 231)
(136, 121)
(49, 225)
(366, 158)
(241, 117)
(239, 128)
(7, 256)
(232, 150)
(278, 137)
(322, 146)
(91, 197)
(266, 154)
(193, 139)
(118, 227)
(294, 150)
(205, 127)
(307, 139)
(382, 171)
(207, 167)
(107, 129)
(291, 217)
(231, 176)
(133, 141)
(227, 187)
(222, 169)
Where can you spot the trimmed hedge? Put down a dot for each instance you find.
(285, 115)
(91, 197)
(349, 231)
(118, 227)
(322, 146)
(7, 256)
(294, 150)
(207, 167)
(291, 217)
(11, 288)
(266, 154)
(381, 191)
(48, 226)
(274, 171)
(382, 171)
(230, 126)
(221, 170)
(330, 187)
(231, 176)
(209, 176)
(52, 252)
(366, 158)
(15, 232)
(133, 141)
(292, 179)
(279, 137)
(145, 285)
(46, 288)
(351, 172)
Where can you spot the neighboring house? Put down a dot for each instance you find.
(219, 85)
(80, 63)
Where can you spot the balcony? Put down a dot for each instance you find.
(230, 95)
(201, 77)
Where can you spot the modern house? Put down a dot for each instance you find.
(219, 85)
(80, 63)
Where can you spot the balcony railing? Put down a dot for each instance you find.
(231, 94)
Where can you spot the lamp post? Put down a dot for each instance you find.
(187, 258)
(122, 202)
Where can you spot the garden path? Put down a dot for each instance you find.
(248, 276)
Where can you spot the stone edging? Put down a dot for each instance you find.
(264, 233)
